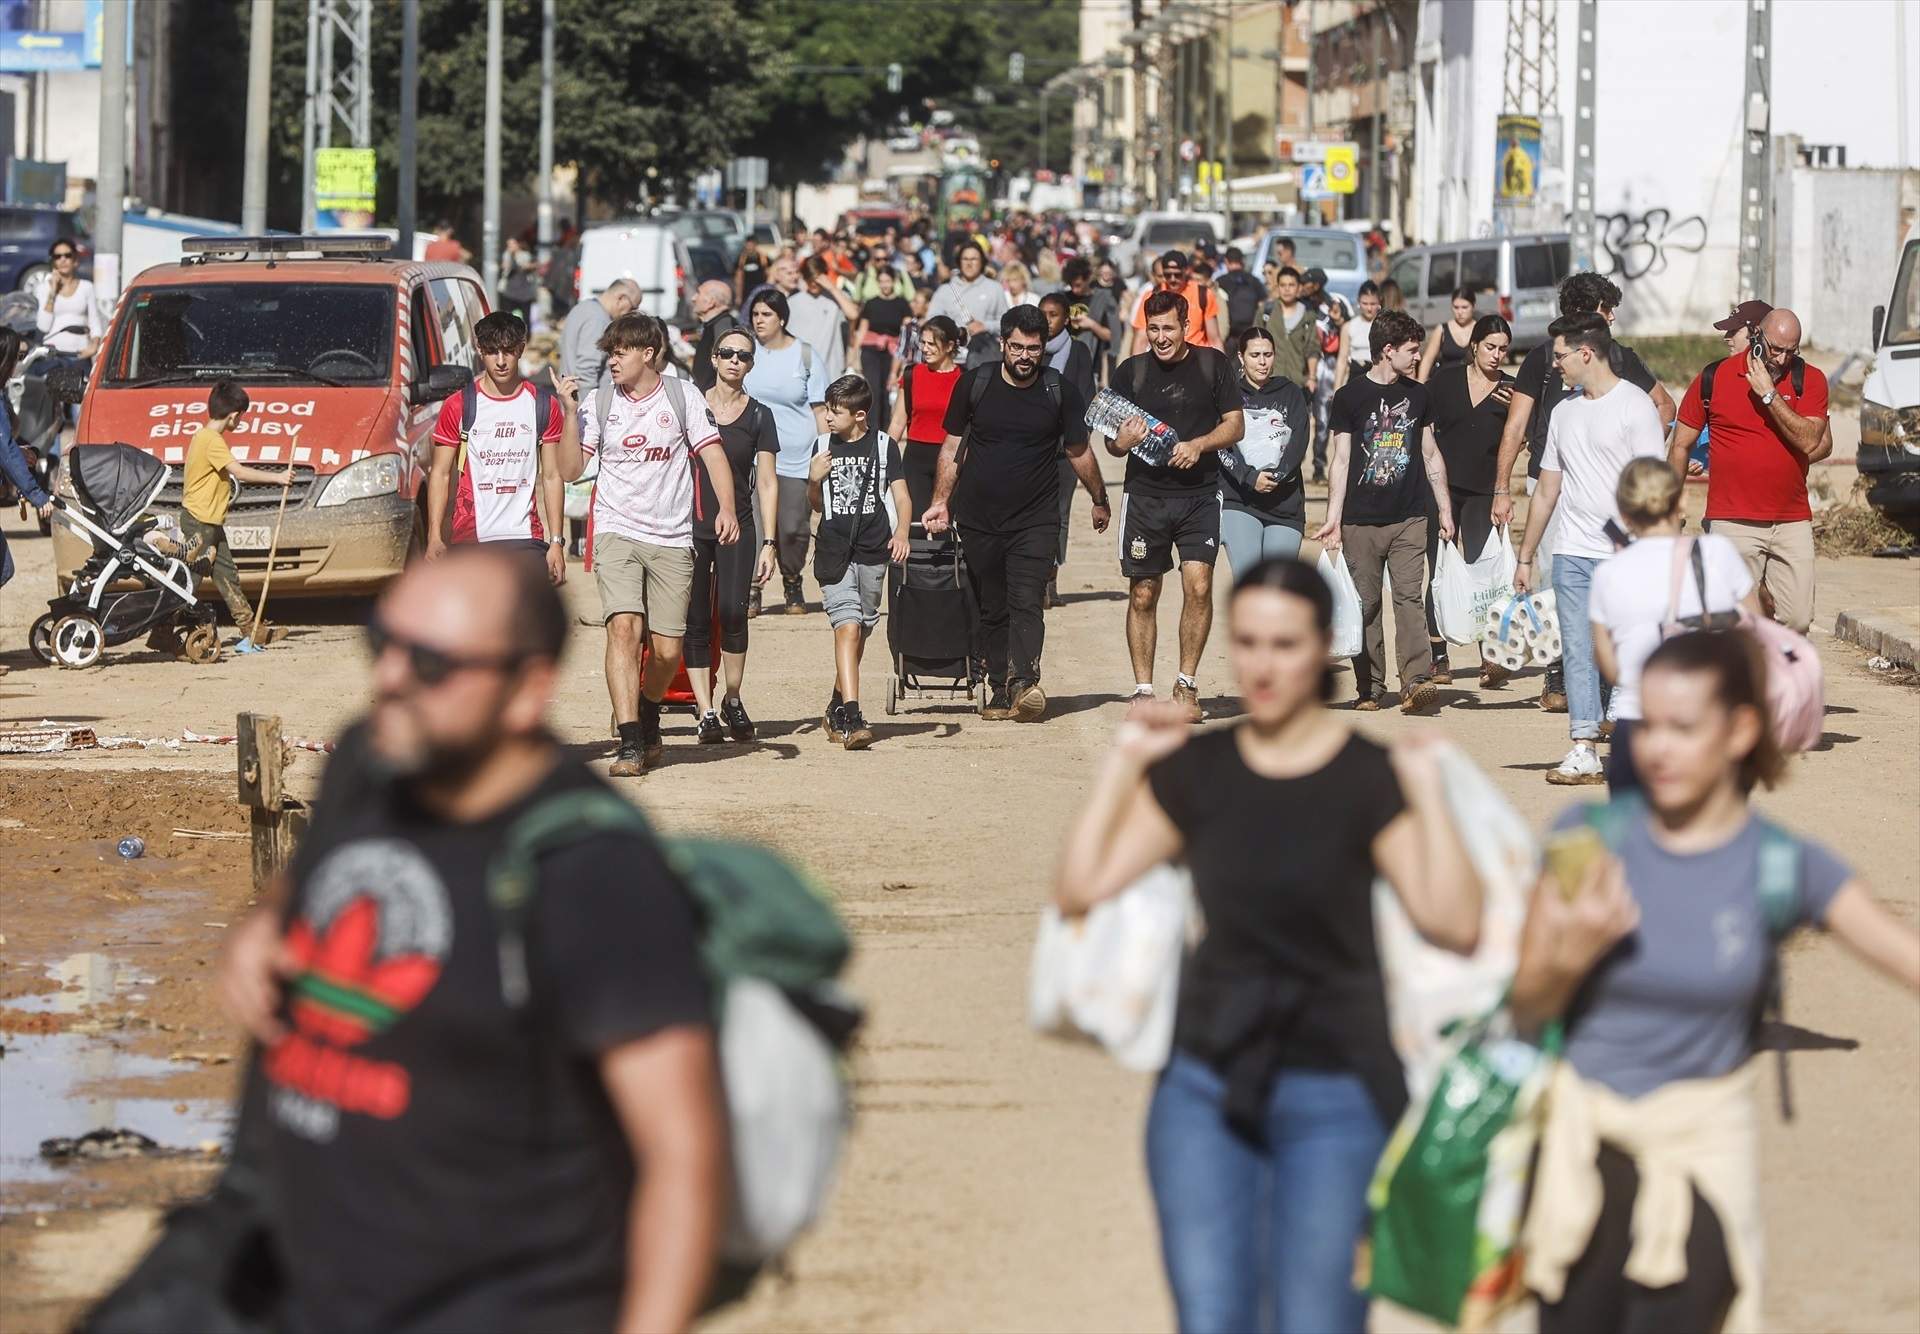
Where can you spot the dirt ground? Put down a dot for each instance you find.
(995, 1179)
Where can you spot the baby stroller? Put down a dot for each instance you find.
(931, 624)
(115, 485)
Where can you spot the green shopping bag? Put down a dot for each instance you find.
(1450, 1189)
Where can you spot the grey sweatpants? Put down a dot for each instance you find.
(794, 521)
(1399, 552)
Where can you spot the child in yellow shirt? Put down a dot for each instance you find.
(206, 490)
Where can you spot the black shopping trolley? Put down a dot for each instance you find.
(932, 627)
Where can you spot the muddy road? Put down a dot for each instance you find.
(995, 1180)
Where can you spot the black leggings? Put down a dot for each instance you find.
(722, 583)
(876, 365)
(1600, 1298)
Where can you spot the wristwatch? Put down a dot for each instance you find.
(1766, 400)
(556, 541)
(770, 542)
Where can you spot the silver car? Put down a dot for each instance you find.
(1340, 253)
(1517, 277)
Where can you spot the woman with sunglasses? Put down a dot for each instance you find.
(920, 412)
(69, 314)
(725, 575)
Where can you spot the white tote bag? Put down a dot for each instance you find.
(1489, 580)
(1346, 607)
(1113, 975)
(1453, 596)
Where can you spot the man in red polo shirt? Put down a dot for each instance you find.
(1766, 417)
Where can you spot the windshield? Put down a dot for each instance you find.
(296, 332)
(1323, 250)
(1903, 312)
(1176, 231)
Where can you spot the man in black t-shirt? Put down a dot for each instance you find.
(1539, 383)
(1241, 289)
(1012, 417)
(1175, 505)
(456, 1161)
(1385, 463)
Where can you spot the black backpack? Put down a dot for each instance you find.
(1798, 374)
(977, 391)
(470, 409)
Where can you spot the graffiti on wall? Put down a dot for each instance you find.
(1637, 245)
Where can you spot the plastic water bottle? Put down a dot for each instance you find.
(133, 846)
(1110, 411)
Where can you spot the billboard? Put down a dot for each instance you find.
(1516, 177)
(27, 49)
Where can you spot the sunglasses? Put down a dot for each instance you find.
(732, 354)
(432, 666)
(64, 254)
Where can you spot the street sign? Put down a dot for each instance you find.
(1313, 182)
(747, 173)
(25, 52)
(1343, 168)
(1315, 150)
(343, 180)
(1189, 150)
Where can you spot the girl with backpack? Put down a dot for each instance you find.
(1653, 941)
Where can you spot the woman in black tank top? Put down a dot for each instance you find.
(1447, 344)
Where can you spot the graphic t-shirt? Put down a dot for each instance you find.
(790, 380)
(1631, 591)
(1677, 998)
(1468, 433)
(1275, 442)
(744, 439)
(1540, 380)
(1752, 473)
(497, 499)
(1590, 441)
(1386, 477)
(205, 491)
(645, 491)
(458, 1165)
(857, 513)
(1010, 480)
(1191, 396)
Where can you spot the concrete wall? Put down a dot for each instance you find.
(1837, 234)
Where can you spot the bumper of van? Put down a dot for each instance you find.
(340, 550)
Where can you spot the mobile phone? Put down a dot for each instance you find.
(1569, 854)
(1620, 538)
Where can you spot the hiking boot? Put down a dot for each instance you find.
(711, 732)
(652, 745)
(1029, 702)
(1493, 676)
(753, 604)
(628, 762)
(1370, 704)
(1606, 731)
(1580, 768)
(999, 708)
(1188, 698)
(1417, 695)
(796, 604)
(1553, 701)
(1442, 673)
(735, 714)
(834, 723)
(1051, 598)
(856, 734)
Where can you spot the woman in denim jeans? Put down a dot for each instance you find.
(1269, 1117)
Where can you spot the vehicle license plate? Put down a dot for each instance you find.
(249, 539)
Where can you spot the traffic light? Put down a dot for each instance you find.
(1016, 67)
(893, 78)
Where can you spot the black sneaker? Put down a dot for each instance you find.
(652, 745)
(830, 718)
(628, 763)
(796, 599)
(856, 734)
(735, 714)
(711, 732)
(1000, 707)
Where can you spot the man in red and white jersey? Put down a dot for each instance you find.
(498, 427)
(646, 431)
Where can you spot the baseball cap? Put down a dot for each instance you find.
(1175, 257)
(1315, 276)
(1747, 312)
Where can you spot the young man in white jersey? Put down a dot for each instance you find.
(646, 431)
(494, 432)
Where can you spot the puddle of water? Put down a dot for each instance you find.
(45, 1091)
(85, 979)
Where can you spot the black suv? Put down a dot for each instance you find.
(27, 233)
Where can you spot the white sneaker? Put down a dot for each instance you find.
(1580, 767)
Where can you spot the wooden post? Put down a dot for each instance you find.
(277, 820)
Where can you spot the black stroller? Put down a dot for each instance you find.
(138, 579)
(931, 624)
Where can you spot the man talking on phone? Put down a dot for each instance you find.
(1765, 413)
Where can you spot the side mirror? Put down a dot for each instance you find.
(68, 384)
(441, 382)
(1879, 325)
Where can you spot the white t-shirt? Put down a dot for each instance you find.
(1630, 594)
(646, 490)
(1588, 443)
(497, 499)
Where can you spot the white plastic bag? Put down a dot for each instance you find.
(1113, 975)
(1429, 987)
(1346, 607)
(1453, 596)
(787, 1117)
(1489, 579)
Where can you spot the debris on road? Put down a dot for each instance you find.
(46, 738)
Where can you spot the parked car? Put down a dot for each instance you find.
(27, 232)
(870, 221)
(1341, 253)
(717, 228)
(1154, 233)
(346, 354)
(1517, 277)
(650, 252)
(1889, 457)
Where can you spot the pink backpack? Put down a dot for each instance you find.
(1796, 683)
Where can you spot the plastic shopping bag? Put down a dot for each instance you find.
(1346, 606)
(1453, 596)
(1490, 578)
(1113, 975)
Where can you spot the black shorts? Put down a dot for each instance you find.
(1153, 527)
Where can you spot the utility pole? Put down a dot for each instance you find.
(310, 126)
(1756, 166)
(545, 215)
(490, 222)
(111, 188)
(253, 192)
(1213, 110)
(1375, 185)
(1226, 55)
(1311, 30)
(409, 127)
(1587, 16)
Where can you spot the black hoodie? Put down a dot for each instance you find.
(1276, 437)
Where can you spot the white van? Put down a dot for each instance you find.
(646, 251)
(1889, 455)
(1153, 234)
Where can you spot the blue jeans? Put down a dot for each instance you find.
(1572, 590)
(1262, 1238)
(1250, 539)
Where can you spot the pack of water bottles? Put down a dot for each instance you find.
(1109, 412)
